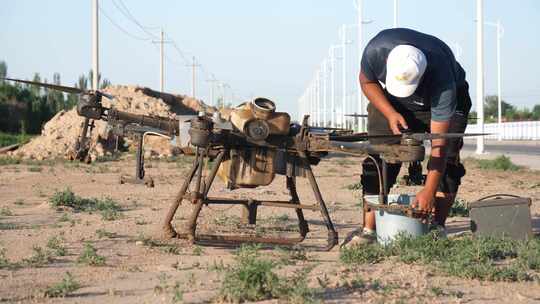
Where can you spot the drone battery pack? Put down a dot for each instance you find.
(502, 216)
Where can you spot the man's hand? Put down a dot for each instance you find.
(424, 201)
(396, 122)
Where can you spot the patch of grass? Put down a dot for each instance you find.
(459, 208)
(178, 293)
(253, 278)
(5, 263)
(107, 207)
(345, 162)
(8, 160)
(5, 211)
(487, 259)
(102, 233)
(354, 187)
(19, 202)
(63, 288)
(198, 250)
(7, 139)
(56, 244)
(89, 256)
(40, 257)
(108, 158)
(35, 169)
(290, 256)
(163, 246)
(502, 163)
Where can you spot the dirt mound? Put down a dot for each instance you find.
(60, 134)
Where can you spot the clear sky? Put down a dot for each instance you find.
(261, 48)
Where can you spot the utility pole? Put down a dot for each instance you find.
(193, 66)
(95, 44)
(480, 75)
(318, 94)
(332, 83)
(161, 42)
(324, 69)
(499, 96)
(344, 74)
(395, 13)
(212, 81)
(360, 24)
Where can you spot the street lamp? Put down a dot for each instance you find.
(358, 5)
(332, 54)
(480, 75)
(500, 33)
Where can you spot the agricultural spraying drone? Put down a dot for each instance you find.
(249, 145)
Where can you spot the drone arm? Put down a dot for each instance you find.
(166, 126)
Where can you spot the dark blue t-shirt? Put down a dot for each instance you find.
(443, 75)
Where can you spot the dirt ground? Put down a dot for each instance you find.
(137, 273)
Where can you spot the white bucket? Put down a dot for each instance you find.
(390, 225)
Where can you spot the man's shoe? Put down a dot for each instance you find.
(359, 237)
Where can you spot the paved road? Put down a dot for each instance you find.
(523, 153)
(507, 147)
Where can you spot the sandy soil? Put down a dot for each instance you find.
(136, 273)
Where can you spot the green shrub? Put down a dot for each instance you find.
(89, 256)
(253, 278)
(39, 257)
(459, 208)
(63, 288)
(108, 208)
(481, 258)
(5, 211)
(7, 139)
(55, 243)
(502, 163)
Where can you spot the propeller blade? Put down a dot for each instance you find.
(58, 87)
(356, 115)
(416, 136)
(428, 136)
(49, 86)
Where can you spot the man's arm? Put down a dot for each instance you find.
(436, 165)
(375, 95)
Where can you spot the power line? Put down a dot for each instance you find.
(121, 28)
(126, 12)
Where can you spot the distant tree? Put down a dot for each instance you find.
(491, 108)
(82, 83)
(105, 83)
(536, 112)
(3, 70)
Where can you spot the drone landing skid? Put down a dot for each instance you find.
(199, 197)
(139, 168)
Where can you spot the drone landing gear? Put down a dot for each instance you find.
(139, 169)
(199, 197)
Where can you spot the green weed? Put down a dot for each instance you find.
(459, 208)
(40, 257)
(5, 211)
(107, 207)
(63, 288)
(480, 258)
(254, 278)
(4, 261)
(102, 233)
(502, 163)
(56, 243)
(89, 256)
(35, 169)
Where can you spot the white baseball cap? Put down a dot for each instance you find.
(404, 69)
